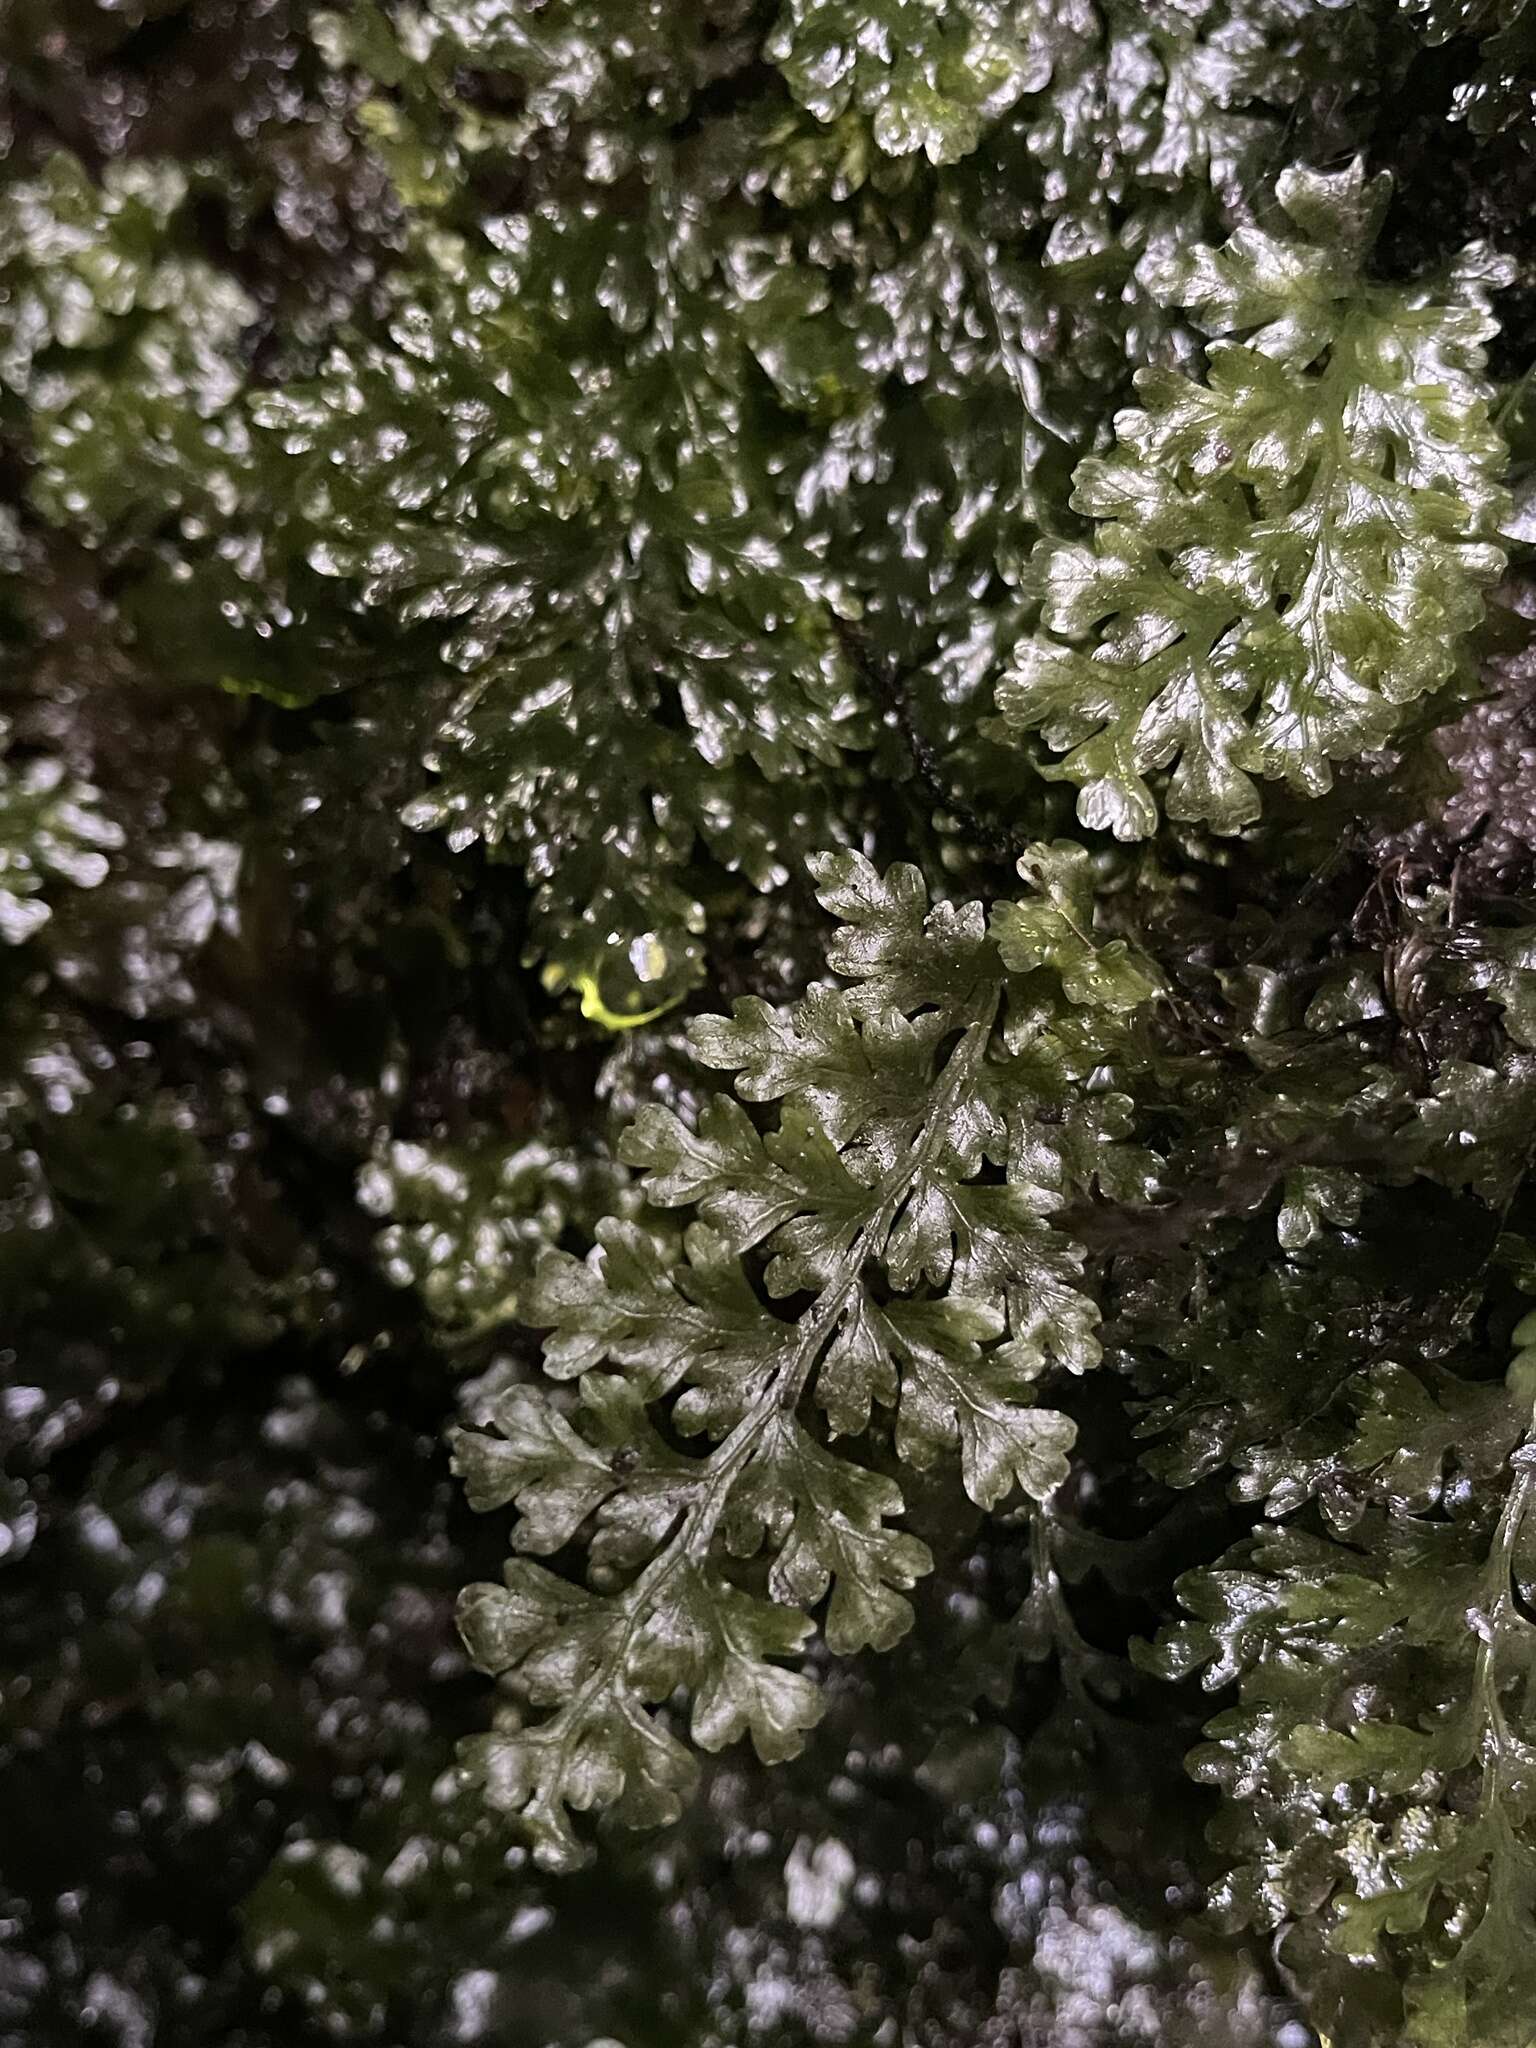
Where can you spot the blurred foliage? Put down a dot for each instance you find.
(466, 1224)
(1500, 94)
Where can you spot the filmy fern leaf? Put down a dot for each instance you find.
(927, 78)
(1378, 1762)
(1286, 554)
(883, 1249)
(579, 520)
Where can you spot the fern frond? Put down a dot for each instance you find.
(881, 1258)
(1378, 1763)
(1285, 556)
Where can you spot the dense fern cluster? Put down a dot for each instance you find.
(965, 567)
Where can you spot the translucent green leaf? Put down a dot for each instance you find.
(1284, 556)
